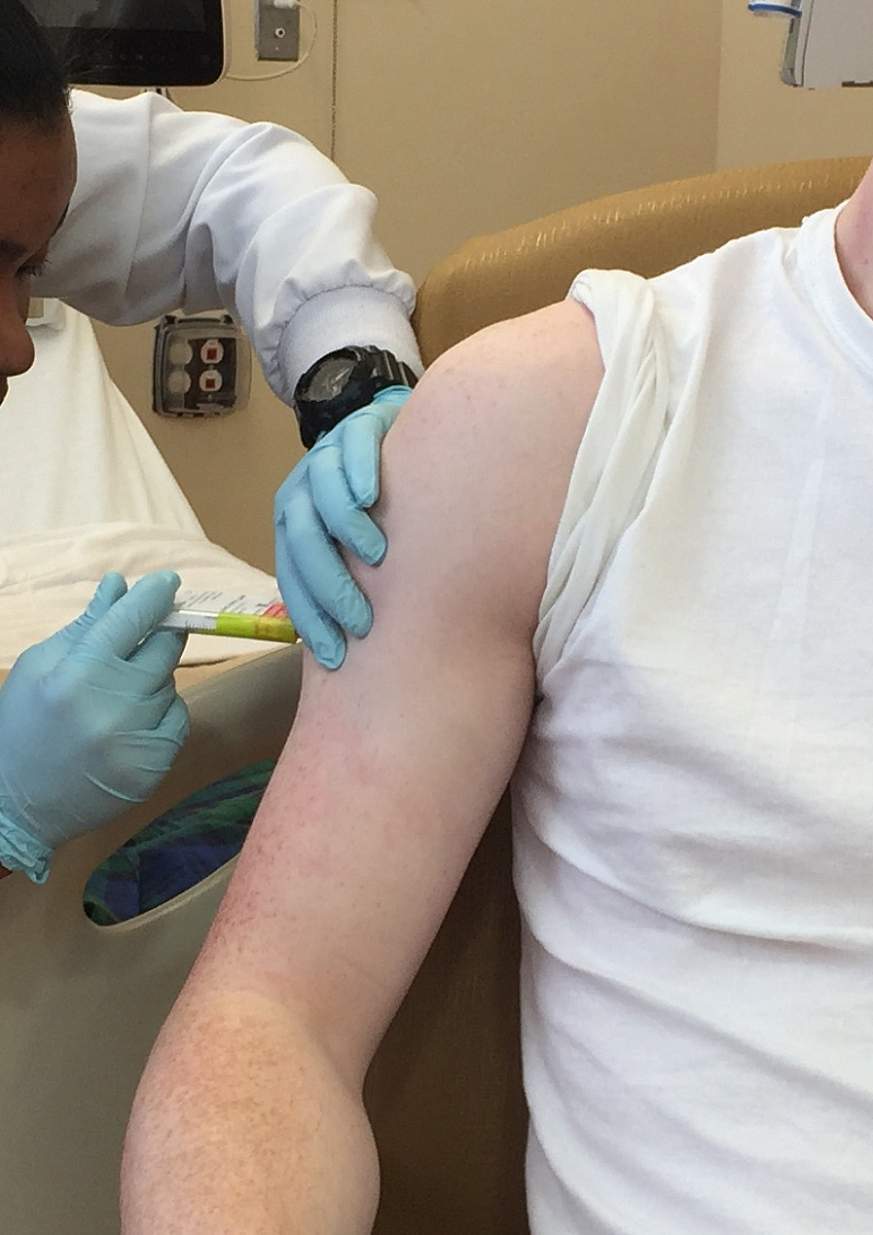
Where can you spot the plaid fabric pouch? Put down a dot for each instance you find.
(178, 849)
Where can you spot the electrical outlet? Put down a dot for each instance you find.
(202, 366)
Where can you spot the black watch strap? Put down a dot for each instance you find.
(373, 370)
(393, 372)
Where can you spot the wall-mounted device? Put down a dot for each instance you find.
(277, 30)
(136, 42)
(830, 42)
(202, 367)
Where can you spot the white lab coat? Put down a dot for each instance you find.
(193, 210)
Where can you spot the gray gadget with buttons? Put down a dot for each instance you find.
(202, 367)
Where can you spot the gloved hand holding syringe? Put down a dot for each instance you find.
(90, 721)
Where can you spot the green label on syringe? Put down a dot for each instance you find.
(249, 626)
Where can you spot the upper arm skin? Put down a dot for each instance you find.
(396, 762)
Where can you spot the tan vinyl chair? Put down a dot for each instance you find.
(445, 1090)
(647, 231)
(80, 1005)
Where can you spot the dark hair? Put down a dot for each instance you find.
(33, 89)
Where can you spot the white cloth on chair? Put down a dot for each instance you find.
(83, 490)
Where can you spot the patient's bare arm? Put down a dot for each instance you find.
(249, 1118)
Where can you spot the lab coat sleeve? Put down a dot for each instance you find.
(193, 210)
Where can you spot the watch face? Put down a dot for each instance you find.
(331, 378)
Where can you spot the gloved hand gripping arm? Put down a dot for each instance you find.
(324, 501)
(90, 721)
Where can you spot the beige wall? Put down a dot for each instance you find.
(763, 121)
(471, 115)
(465, 116)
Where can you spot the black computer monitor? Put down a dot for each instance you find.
(135, 42)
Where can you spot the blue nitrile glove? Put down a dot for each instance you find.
(89, 721)
(323, 501)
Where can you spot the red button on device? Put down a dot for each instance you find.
(210, 381)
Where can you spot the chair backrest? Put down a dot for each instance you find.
(647, 231)
(80, 1005)
(445, 1090)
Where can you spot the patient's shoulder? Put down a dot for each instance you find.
(552, 351)
(478, 465)
(519, 390)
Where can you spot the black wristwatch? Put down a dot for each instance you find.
(342, 382)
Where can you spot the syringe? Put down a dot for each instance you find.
(231, 615)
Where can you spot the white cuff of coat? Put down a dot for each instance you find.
(346, 317)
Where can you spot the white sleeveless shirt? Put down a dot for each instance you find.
(694, 805)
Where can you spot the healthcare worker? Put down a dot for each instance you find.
(127, 209)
